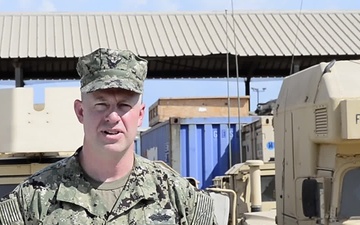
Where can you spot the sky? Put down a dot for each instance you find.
(171, 87)
(171, 5)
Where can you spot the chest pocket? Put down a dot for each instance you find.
(68, 216)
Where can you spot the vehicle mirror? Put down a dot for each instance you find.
(310, 198)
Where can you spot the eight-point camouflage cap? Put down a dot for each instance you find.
(108, 68)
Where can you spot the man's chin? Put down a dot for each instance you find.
(114, 148)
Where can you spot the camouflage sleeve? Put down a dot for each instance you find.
(195, 207)
(10, 211)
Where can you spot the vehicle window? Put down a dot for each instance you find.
(350, 194)
(6, 189)
(268, 188)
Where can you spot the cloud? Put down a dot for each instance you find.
(47, 5)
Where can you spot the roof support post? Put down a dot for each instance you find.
(248, 81)
(247, 89)
(247, 85)
(19, 76)
(295, 67)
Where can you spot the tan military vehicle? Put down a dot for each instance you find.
(244, 198)
(251, 185)
(34, 135)
(257, 139)
(317, 136)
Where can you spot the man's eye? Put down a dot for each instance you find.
(100, 106)
(124, 107)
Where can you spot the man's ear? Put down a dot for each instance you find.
(141, 114)
(78, 108)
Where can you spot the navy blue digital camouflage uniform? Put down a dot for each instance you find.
(60, 194)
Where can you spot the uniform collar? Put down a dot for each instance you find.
(76, 190)
(141, 185)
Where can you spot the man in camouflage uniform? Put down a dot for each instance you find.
(104, 182)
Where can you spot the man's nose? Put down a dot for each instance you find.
(113, 117)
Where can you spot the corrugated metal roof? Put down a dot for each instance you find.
(178, 34)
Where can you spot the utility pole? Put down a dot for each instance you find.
(258, 90)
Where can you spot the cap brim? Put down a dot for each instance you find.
(109, 81)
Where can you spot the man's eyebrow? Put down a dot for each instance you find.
(99, 97)
(102, 98)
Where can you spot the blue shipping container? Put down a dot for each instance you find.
(137, 146)
(196, 147)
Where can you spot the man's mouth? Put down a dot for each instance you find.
(110, 132)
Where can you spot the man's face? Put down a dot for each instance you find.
(110, 119)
